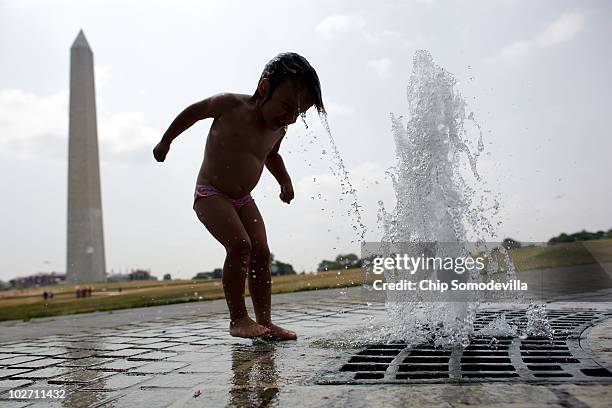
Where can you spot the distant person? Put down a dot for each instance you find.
(78, 292)
(45, 295)
(245, 136)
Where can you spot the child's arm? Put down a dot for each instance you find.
(276, 166)
(212, 107)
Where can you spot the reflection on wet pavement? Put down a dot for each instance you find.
(255, 377)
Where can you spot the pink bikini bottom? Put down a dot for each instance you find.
(204, 190)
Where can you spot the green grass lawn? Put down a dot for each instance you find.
(560, 255)
(29, 303)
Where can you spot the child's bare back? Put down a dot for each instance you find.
(244, 138)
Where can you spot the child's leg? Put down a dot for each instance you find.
(220, 218)
(260, 281)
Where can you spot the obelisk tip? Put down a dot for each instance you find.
(80, 41)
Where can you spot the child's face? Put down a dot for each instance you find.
(286, 103)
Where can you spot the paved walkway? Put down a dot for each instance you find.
(182, 356)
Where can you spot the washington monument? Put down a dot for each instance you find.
(85, 260)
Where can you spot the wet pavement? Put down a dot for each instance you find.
(182, 356)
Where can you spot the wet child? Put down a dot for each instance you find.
(245, 136)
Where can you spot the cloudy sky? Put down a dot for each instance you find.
(536, 74)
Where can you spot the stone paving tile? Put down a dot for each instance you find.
(44, 373)
(84, 362)
(153, 356)
(211, 342)
(175, 381)
(51, 342)
(173, 328)
(116, 346)
(73, 396)
(35, 351)
(128, 352)
(593, 396)
(179, 334)
(42, 363)
(118, 339)
(6, 385)
(78, 354)
(4, 356)
(213, 351)
(186, 348)
(188, 339)
(316, 326)
(80, 377)
(74, 400)
(83, 338)
(19, 349)
(118, 365)
(12, 343)
(75, 345)
(217, 333)
(9, 372)
(191, 357)
(154, 398)
(160, 367)
(218, 396)
(75, 338)
(206, 367)
(146, 340)
(50, 351)
(156, 346)
(14, 404)
(116, 382)
(210, 324)
(19, 359)
(148, 334)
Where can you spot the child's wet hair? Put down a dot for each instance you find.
(290, 65)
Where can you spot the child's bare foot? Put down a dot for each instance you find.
(246, 327)
(278, 333)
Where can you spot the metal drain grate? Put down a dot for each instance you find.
(560, 359)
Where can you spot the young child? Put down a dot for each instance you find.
(245, 136)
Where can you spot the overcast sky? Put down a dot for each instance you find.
(537, 75)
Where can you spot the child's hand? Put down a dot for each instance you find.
(160, 151)
(286, 194)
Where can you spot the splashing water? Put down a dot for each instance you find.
(433, 198)
(499, 327)
(433, 182)
(345, 184)
(441, 198)
(537, 322)
(338, 169)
